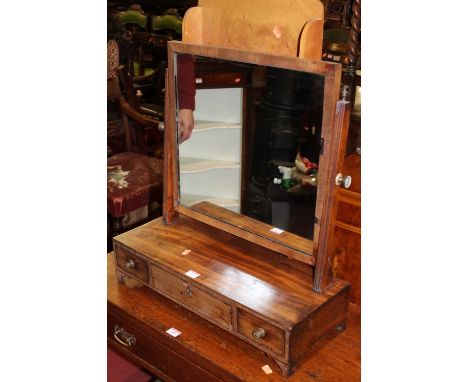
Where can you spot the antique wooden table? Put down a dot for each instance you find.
(204, 352)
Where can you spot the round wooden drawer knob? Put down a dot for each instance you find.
(129, 264)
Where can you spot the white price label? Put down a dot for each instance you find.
(267, 369)
(276, 230)
(173, 332)
(192, 274)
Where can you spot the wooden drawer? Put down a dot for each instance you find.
(349, 214)
(191, 296)
(272, 338)
(132, 264)
(349, 208)
(153, 352)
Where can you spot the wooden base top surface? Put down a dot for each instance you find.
(262, 280)
(334, 358)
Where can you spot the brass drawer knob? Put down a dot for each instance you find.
(129, 264)
(123, 337)
(259, 333)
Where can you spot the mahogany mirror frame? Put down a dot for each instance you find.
(335, 120)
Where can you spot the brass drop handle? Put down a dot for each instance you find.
(259, 333)
(123, 337)
(187, 291)
(343, 180)
(129, 264)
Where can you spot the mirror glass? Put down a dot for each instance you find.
(255, 146)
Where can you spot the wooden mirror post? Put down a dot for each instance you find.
(170, 185)
(323, 276)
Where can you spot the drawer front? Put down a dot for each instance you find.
(153, 352)
(131, 264)
(194, 298)
(261, 332)
(349, 212)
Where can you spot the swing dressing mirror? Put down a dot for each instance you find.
(258, 162)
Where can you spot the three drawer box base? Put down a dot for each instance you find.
(249, 291)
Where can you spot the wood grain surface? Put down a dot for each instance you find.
(286, 243)
(204, 352)
(347, 240)
(191, 296)
(323, 276)
(274, 338)
(139, 268)
(248, 25)
(170, 185)
(256, 278)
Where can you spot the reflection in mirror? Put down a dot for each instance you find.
(256, 143)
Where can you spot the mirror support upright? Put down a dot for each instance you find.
(323, 275)
(170, 186)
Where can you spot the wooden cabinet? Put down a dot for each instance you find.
(250, 291)
(150, 351)
(347, 241)
(204, 352)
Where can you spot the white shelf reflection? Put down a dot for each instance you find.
(202, 126)
(192, 165)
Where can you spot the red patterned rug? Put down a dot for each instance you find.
(121, 370)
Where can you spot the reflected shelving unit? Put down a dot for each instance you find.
(210, 161)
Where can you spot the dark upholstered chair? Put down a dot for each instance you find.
(134, 189)
(134, 180)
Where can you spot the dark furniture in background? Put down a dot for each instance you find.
(135, 110)
(342, 37)
(143, 48)
(154, 7)
(134, 180)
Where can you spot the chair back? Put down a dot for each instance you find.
(134, 19)
(146, 51)
(170, 23)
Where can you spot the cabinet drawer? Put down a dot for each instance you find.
(191, 296)
(131, 264)
(261, 332)
(349, 211)
(151, 351)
